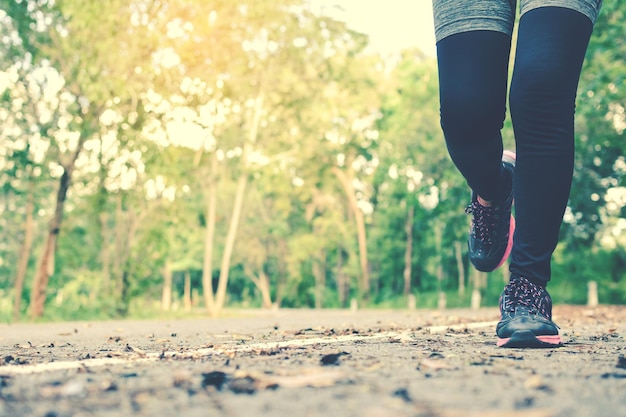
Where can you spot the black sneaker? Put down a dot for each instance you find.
(526, 310)
(491, 233)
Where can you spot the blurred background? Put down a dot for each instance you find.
(188, 158)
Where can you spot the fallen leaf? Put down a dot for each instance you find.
(481, 361)
(182, 378)
(242, 337)
(536, 382)
(332, 358)
(403, 393)
(69, 389)
(213, 379)
(613, 375)
(245, 385)
(312, 377)
(496, 413)
(138, 351)
(108, 386)
(267, 352)
(434, 364)
(373, 367)
(141, 398)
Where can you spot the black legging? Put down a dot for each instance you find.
(473, 70)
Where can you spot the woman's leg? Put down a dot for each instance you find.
(473, 71)
(550, 50)
(551, 46)
(473, 48)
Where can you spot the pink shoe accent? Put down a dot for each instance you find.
(509, 154)
(509, 245)
(502, 342)
(553, 340)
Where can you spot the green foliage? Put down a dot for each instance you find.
(600, 126)
(164, 96)
(574, 270)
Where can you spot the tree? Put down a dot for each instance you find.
(89, 70)
(600, 130)
(415, 184)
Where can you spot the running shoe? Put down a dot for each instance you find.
(526, 317)
(491, 232)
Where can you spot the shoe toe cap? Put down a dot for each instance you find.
(540, 326)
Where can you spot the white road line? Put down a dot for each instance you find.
(140, 356)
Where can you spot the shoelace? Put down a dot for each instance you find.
(485, 221)
(520, 292)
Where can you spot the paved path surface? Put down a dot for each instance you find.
(314, 363)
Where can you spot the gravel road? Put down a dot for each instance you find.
(314, 363)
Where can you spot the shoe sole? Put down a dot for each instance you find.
(527, 339)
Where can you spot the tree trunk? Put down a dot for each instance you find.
(262, 283)
(478, 279)
(187, 291)
(24, 256)
(439, 249)
(46, 262)
(209, 241)
(124, 233)
(242, 183)
(103, 217)
(458, 250)
(408, 252)
(166, 297)
(231, 236)
(127, 222)
(105, 254)
(319, 272)
(342, 287)
(125, 300)
(282, 272)
(359, 219)
(265, 289)
(120, 226)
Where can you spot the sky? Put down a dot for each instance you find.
(392, 25)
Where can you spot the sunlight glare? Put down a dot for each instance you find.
(392, 25)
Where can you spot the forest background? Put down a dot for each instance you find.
(181, 157)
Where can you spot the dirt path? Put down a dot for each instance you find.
(314, 363)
